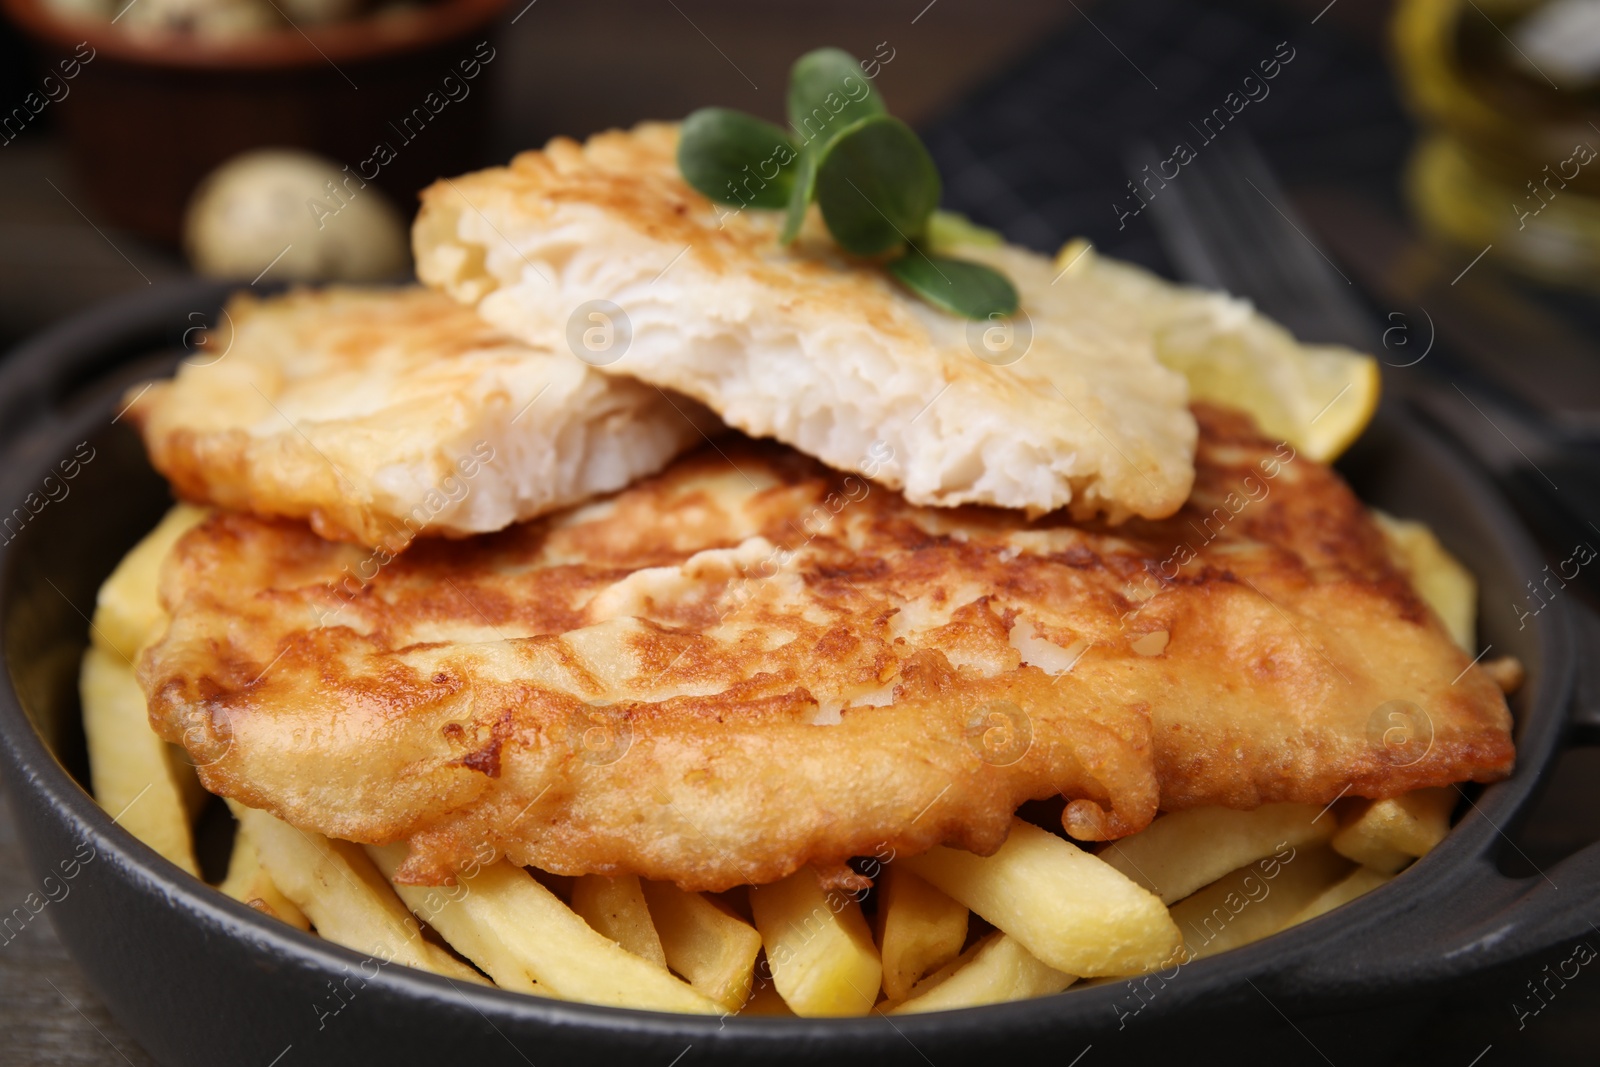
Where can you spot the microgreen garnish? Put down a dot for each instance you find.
(869, 173)
(876, 186)
(959, 286)
(736, 158)
(827, 94)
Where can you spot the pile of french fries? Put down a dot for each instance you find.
(947, 929)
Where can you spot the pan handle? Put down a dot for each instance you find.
(1586, 695)
(1480, 918)
(40, 375)
(1563, 903)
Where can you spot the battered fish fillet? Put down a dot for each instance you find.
(821, 352)
(379, 414)
(749, 663)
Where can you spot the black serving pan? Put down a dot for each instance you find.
(199, 979)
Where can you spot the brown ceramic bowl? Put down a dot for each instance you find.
(152, 113)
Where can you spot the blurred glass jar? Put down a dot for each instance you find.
(1508, 92)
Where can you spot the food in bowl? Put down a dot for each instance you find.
(374, 414)
(778, 727)
(265, 209)
(217, 18)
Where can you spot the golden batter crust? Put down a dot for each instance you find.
(749, 663)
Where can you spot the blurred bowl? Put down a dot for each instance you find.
(154, 111)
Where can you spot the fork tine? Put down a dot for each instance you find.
(1235, 230)
(1226, 222)
(1300, 259)
(1199, 233)
(1251, 226)
(1191, 248)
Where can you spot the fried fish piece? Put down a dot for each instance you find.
(381, 414)
(604, 247)
(749, 663)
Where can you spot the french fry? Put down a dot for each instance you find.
(344, 896)
(616, 908)
(712, 948)
(1255, 901)
(1438, 577)
(129, 769)
(1182, 851)
(1068, 907)
(1388, 834)
(128, 613)
(818, 945)
(766, 1000)
(495, 959)
(994, 970)
(735, 900)
(128, 616)
(525, 938)
(1377, 857)
(249, 883)
(1414, 822)
(1358, 882)
(1507, 672)
(919, 930)
(1230, 877)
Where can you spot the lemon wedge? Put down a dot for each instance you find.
(1317, 397)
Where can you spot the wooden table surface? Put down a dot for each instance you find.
(48, 1015)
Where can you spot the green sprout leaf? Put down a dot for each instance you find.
(875, 182)
(737, 158)
(959, 286)
(876, 185)
(827, 95)
(800, 196)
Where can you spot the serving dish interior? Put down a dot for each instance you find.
(60, 555)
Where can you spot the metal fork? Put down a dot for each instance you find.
(1226, 223)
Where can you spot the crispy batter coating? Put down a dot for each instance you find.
(381, 414)
(750, 663)
(1067, 406)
